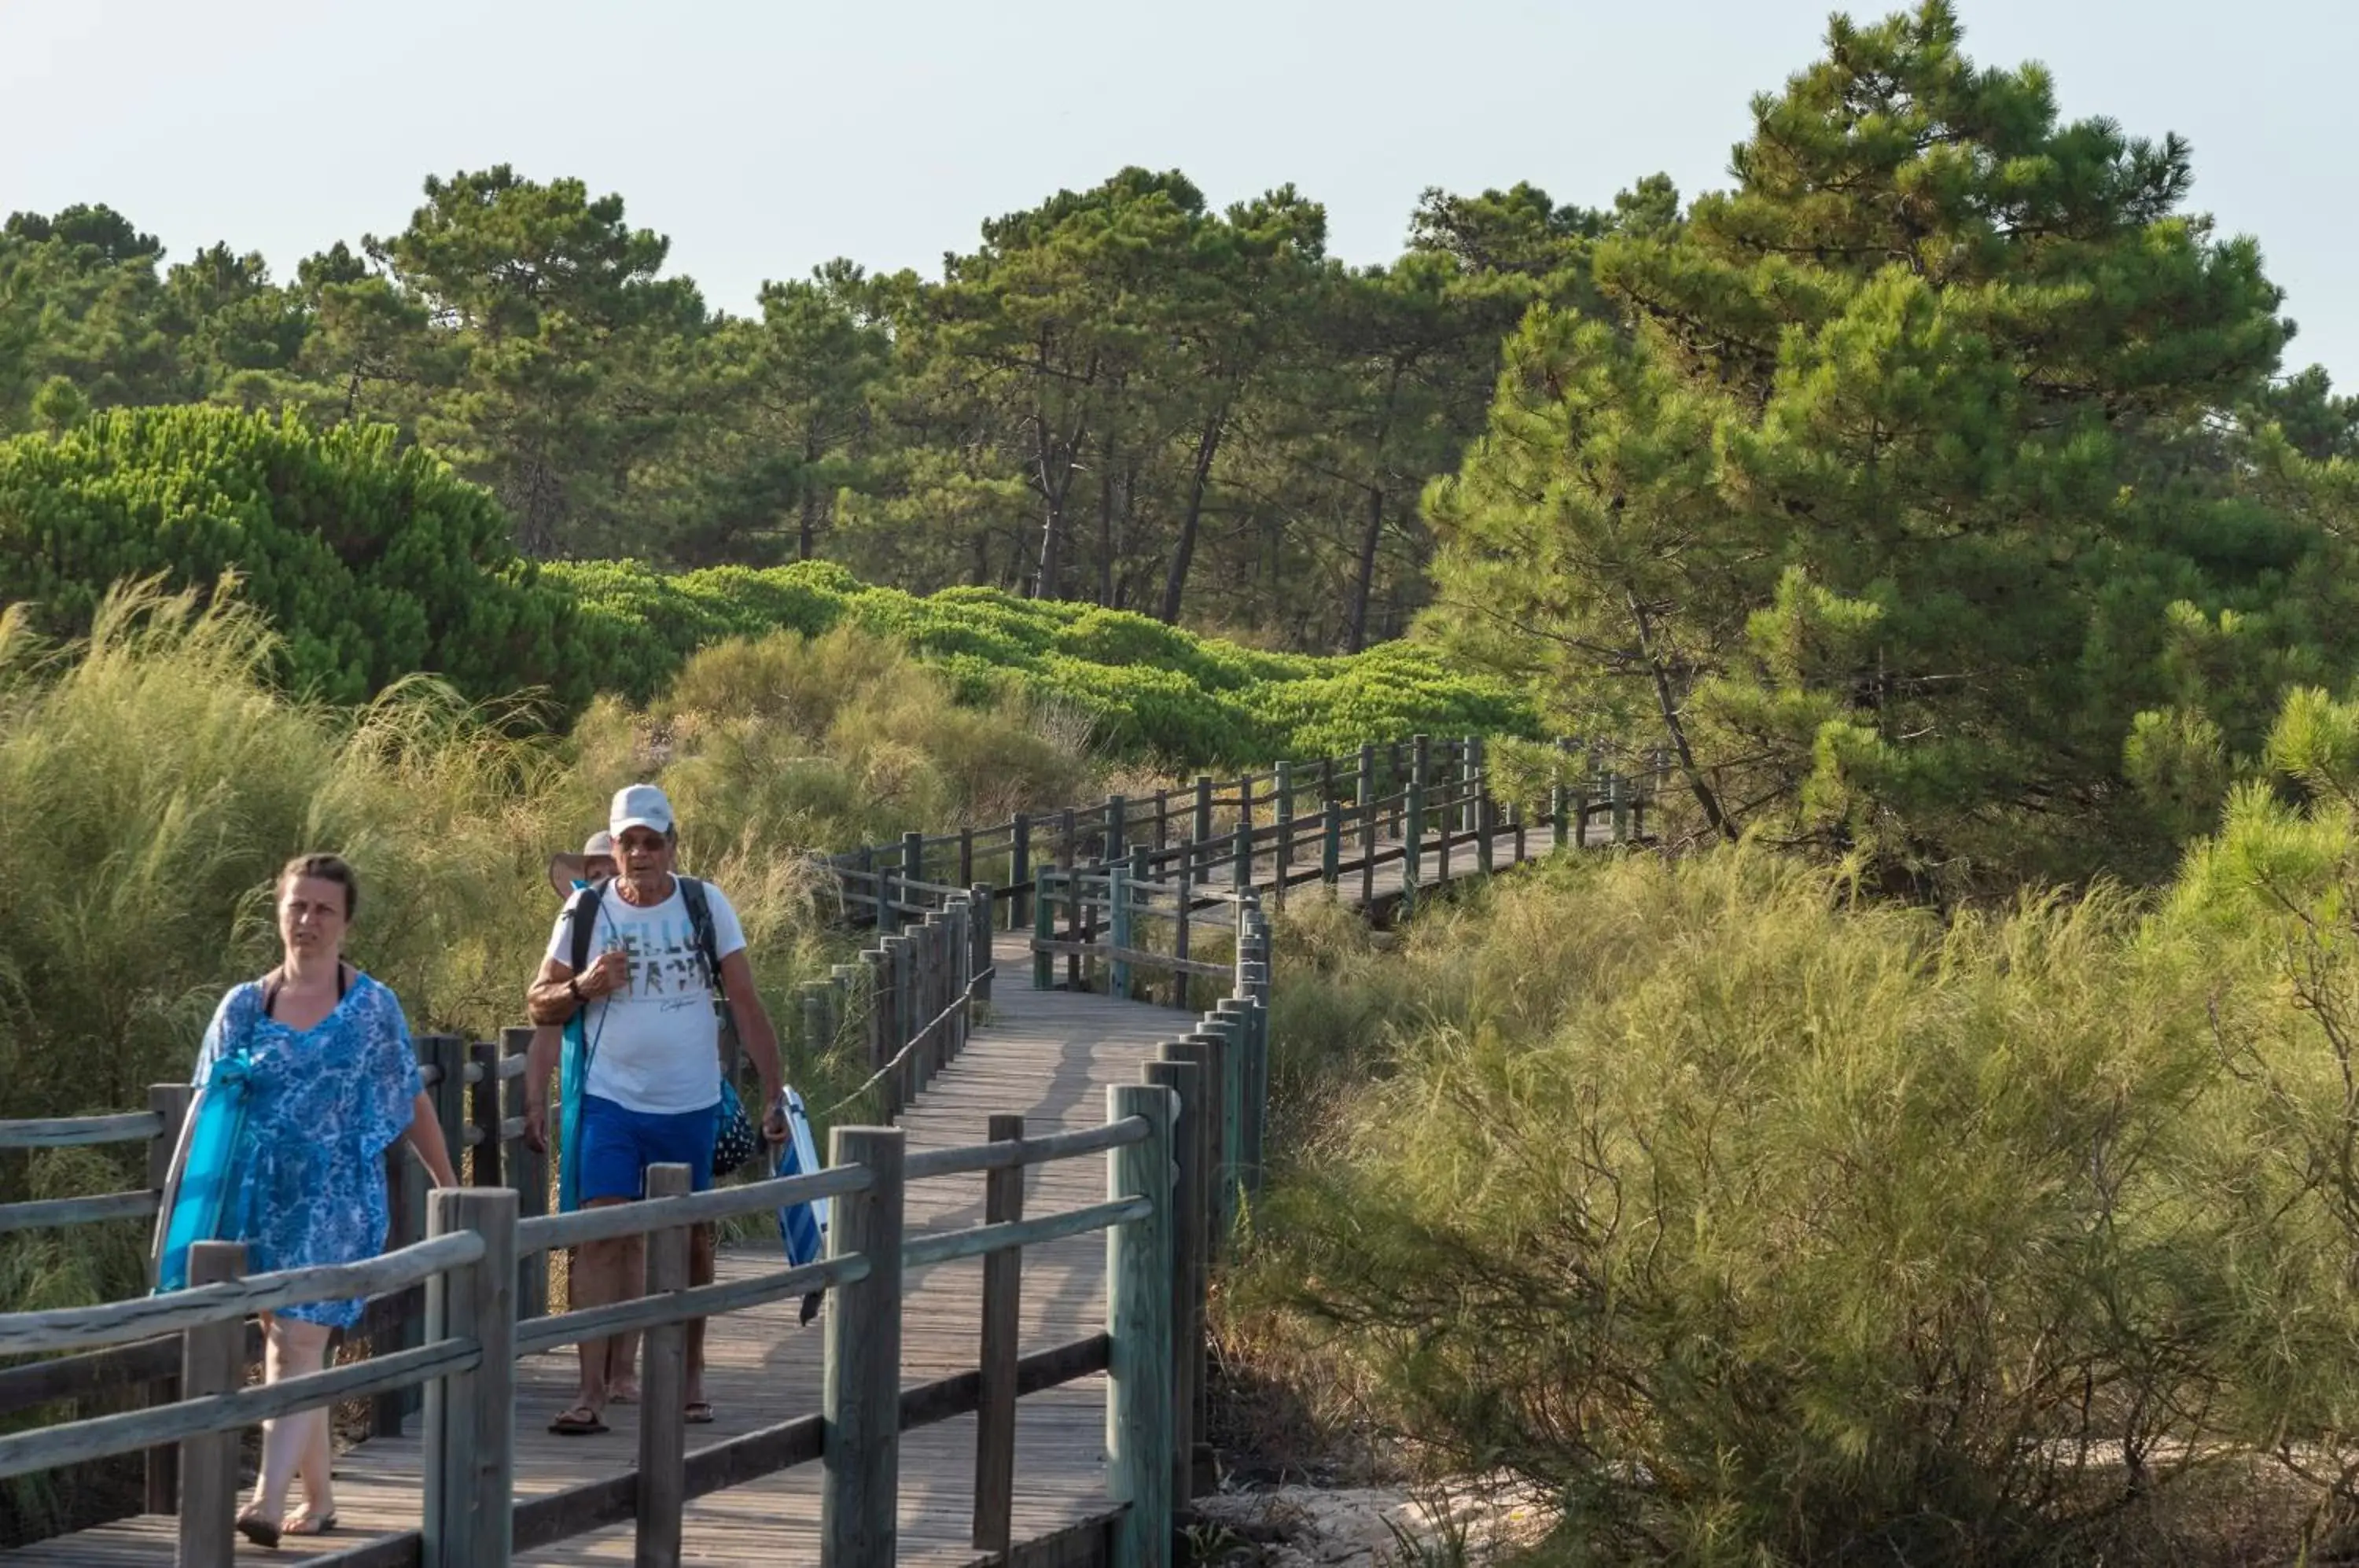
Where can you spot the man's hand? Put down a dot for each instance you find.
(535, 1128)
(610, 973)
(773, 1120)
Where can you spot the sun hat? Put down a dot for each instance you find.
(640, 806)
(565, 870)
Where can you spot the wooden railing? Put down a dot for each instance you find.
(1114, 892)
(1417, 789)
(1168, 1154)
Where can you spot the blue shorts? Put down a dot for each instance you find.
(618, 1144)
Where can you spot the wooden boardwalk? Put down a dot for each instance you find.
(1046, 1056)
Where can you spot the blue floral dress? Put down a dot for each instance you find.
(322, 1106)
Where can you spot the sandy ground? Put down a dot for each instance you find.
(1464, 1522)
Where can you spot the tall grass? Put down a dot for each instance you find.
(152, 780)
(1768, 1226)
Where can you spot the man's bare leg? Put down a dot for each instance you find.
(604, 1272)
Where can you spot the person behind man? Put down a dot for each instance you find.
(651, 1093)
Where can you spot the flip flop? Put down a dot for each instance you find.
(579, 1421)
(259, 1530)
(305, 1524)
(698, 1412)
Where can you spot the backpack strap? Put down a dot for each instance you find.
(700, 922)
(583, 914)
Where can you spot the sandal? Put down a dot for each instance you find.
(698, 1413)
(579, 1421)
(309, 1524)
(259, 1530)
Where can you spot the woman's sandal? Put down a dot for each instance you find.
(698, 1413)
(309, 1524)
(258, 1530)
(577, 1421)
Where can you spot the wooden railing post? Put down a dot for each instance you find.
(1003, 1294)
(1118, 928)
(1019, 872)
(1245, 833)
(1138, 1322)
(485, 1163)
(663, 1389)
(1617, 803)
(1284, 795)
(1116, 842)
(978, 932)
(860, 1391)
(1184, 890)
(1204, 830)
(1366, 800)
(1331, 843)
(171, 1102)
(530, 1180)
(1044, 929)
(1180, 1076)
(213, 1361)
(913, 861)
(469, 1437)
(1413, 833)
(1192, 1216)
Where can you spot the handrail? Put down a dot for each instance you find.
(643, 1313)
(82, 1328)
(977, 1241)
(70, 1132)
(546, 1233)
(1008, 1153)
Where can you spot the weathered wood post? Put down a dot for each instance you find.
(1019, 872)
(213, 1361)
(859, 1388)
(966, 857)
(530, 1179)
(1211, 1038)
(171, 1102)
(1331, 841)
(1183, 885)
(1116, 842)
(1118, 928)
(1481, 807)
(663, 1389)
(1366, 798)
(1618, 803)
(1044, 929)
(980, 968)
(1162, 819)
(888, 920)
(1413, 833)
(1138, 1322)
(1245, 873)
(469, 1437)
(913, 861)
(484, 1116)
(1284, 788)
(1191, 1215)
(1204, 830)
(1002, 1295)
(1180, 1076)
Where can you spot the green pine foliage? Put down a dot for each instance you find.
(1888, 488)
(1150, 691)
(372, 559)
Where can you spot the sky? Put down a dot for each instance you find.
(765, 139)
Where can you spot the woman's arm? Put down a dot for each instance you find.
(424, 1136)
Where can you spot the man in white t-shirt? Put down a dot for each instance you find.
(651, 1095)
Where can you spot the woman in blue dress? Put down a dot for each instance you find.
(331, 1082)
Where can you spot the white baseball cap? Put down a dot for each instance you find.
(640, 806)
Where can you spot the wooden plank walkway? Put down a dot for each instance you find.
(1046, 1056)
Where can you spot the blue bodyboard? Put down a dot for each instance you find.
(802, 1227)
(204, 1169)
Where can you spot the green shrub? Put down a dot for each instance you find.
(1772, 1227)
(372, 560)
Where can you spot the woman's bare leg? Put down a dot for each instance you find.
(298, 1442)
